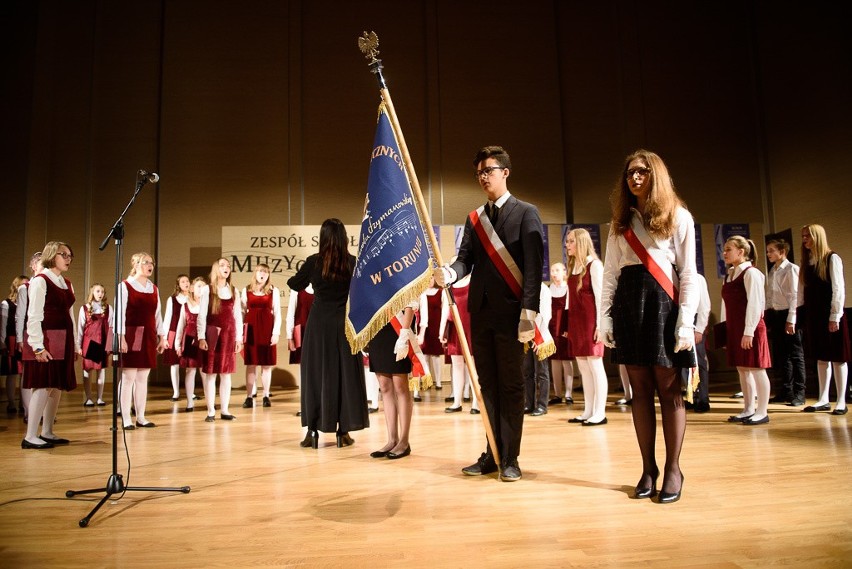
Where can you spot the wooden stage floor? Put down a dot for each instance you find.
(771, 495)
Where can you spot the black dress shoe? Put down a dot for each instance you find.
(27, 444)
(641, 492)
(54, 440)
(453, 409)
(209, 418)
(840, 411)
(449, 399)
(511, 472)
(227, 417)
(751, 421)
(814, 408)
(396, 455)
(379, 453)
(701, 407)
(485, 465)
(372, 410)
(474, 411)
(737, 419)
(554, 400)
(569, 400)
(344, 440)
(148, 425)
(576, 420)
(248, 403)
(129, 427)
(539, 411)
(173, 399)
(311, 440)
(189, 410)
(466, 399)
(595, 423)
(528, 410)
(669, 497)
(267, 402)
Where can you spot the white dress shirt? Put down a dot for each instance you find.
(147, 288)
(35, 307)
(838, 288)
(782, 288)
(702, 314)
(224, 294)
(167, 319)
(596, 271)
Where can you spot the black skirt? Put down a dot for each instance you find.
(382, 357)
(644, 319)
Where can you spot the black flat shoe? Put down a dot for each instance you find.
(595, 423)
(209, 418)
(736, 419)
(344, 440)
(372, 410)
(449, 399)
(453, 409)
(173, 399)
(129, 427)
(569, 400)
(840, 411)
(311, 440)
(227, 417)
(379, 453)
(267, 402)
(814, 408)
(474, 411)
(148, 425)
(418, 399)
(54, 440)
(576, 420)
(554, 400)
(396, 455)
(27, 444)
(248, 403)
(750, 421)
(189, 410)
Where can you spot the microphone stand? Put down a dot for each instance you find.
(115, 483)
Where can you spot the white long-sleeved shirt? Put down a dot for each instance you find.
(224, 294)
(147, 288)
(276, 307)
(424, 306)
(754, 282)
(35, 307)
(445, 306)
(181, 325)
(545, 309)
(596, 273)
(4, 318)
(782, 288)
(838, 288)
(21, 312)
(291, 310)
(97, 308)
(167, 319)
(702, 314)
(676, 257)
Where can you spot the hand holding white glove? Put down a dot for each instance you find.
(526, 326)
(685, 339)
(400, 349)
(444, 276)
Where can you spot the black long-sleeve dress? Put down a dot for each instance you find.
(334, 396)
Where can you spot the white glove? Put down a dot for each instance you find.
(685, 339)
(444, 276)
(401, 346)
(605, 332)
(526, 326)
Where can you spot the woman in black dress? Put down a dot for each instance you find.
(334, 397)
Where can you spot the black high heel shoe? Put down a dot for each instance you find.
(311, 440)
(641, 492)
(344, 440)
(671, 497)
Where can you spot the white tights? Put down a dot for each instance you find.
(563, 377)
(824, 376)
(134, 387)
(43, 405)
(189, 386)
(265, 379)
(754, 383)
(224, 392)
(436, 367)
(87, 385)
(595, 387)
(461, 382)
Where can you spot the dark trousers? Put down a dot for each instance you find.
(788, 357)
(702, 396)
(499, 359)
(536, 381)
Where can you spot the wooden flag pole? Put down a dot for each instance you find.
(369, 43)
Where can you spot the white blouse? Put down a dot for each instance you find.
(754, 282)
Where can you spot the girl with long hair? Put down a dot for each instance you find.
(169, 331)
(186, 340)
(648, 308)
(333, 393)
(10, 357)
(262, 302)
(585, 283)
(822, 293)
(220, 337)
(139, 324)
(94, 328)
(743, 302)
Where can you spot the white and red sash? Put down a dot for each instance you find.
(420, 376)
(508, 269)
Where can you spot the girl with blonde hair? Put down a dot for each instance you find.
(822, 293)
(262, 302)
(170, 321)
(94, 328)
(186, 340)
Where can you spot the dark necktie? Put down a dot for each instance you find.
(492, 213)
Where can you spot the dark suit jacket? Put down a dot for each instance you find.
(519, 227)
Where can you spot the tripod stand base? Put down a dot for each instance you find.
(115, 485)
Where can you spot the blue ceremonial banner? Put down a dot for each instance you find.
(721, 233)
(393, 266)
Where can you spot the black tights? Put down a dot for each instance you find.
(644, 380)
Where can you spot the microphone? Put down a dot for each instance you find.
(146, 176)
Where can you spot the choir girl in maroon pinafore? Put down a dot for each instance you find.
(173, 308)
(447, 331)
(186, 341)
(561, 368)
(262, 303)
(822, 293)
(220, 337)
(49, 368)
(743, 301)
(428, 320)
(10, 357)
(21, 327)
(585, 284)
(94, 341)
(139, 324)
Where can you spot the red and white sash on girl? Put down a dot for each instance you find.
(508, 269)
(420, 376)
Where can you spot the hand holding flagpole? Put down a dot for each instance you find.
(368, 43)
